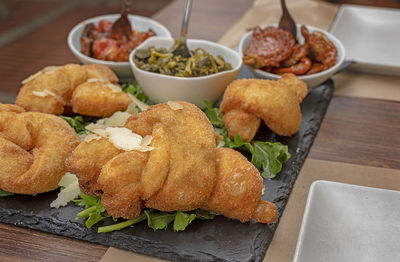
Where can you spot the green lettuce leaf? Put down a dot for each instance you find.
(158, 220)
(4, 193)
(267, 157)
(213, 115)
(182, 220)
(76, 123)
(134, 89)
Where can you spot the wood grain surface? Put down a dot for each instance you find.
(360, 131)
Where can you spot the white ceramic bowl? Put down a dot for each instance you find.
(311, 80)
(122, 69)
(162, 88)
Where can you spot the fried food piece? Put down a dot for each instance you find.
(120, 181)
(99, 98)
(180, 173)
(237, 119)
(191, 160)
(34, 162)
(46, 93)
(11, 108)
(323, 49)
(237, 193)
(276, 102)
(268, 47)
(50, 90)
(100, 72)
(87, 161)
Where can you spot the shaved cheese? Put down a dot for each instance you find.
(123, 138)
(118, 119)
(174, 105)
(263, 191)
(31, 77)
(146, 140)
(91, 80)
(91, 127)
(138, 103)
(51, 69)
(132, 109)
(91, 137)
(114, 88)
(100, 132)
(145, 148)
(70, 192)
(43, 93)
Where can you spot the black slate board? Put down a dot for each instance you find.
(220, 239)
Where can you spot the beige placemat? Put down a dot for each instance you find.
(284, 241)
(318, 14)
(267, 12)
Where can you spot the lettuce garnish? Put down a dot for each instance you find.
(267, 157)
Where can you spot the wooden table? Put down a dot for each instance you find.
(371, 138)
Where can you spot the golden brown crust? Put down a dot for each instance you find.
(11, 108)
(97, 98)
(35, 162)
(184, 171)
(55, 82)
(191, 158)
(87, 160)
(50, 90)
(276, 102)
(238, 189)
(120, 181)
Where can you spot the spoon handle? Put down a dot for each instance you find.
(185, 21)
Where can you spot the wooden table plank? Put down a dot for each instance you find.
(21, 244)
(360, 131)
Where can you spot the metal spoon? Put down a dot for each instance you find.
(182, 48)
(287, 22)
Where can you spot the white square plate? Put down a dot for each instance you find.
(345, 222)
(371, 37)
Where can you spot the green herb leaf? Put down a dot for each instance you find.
(268, 157)
(213, 115)
(76, 123)
(158, 220)
(87, 201)
(4, 193)
(93, 219)
(182, 220)
(122, 225)
(205, 215)
(134, 89)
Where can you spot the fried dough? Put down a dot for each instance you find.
(33, 150)
(50, 91)
(184, 171)
(99, 98)
(246, 101)
(237, 193)
(87, 161)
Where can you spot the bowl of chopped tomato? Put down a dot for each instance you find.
(94, 41)
(314, 56)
